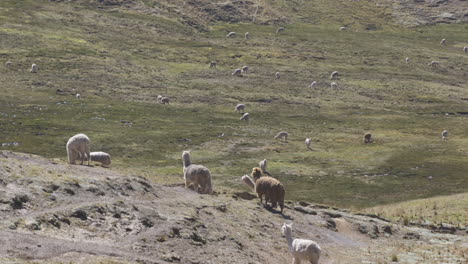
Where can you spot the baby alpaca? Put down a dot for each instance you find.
(33, 68)
(284, 135)
(444, 135)
(240, 108)
(101, 157)
(198, 175)
(78, 146)
(301, 249)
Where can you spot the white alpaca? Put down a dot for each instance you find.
(33, 68)
(240, 108)
(237, 72)
(313, 84)
(213, 64)
(307, 142)
(301, 249)
(407, 60)
(247, 35)
(245, 117)
(231, 35)
(280, 29)
(277, 75)
(334, 75)
(244, 69)
(101, 157)
(443, 42)
(342, 28)
(465, 49)
(78, 146)
(159, 98)
(434, 64)
(263, 167)
(78, 96)
(444, 135)
(248, 181)
(334, 85)
(198, 175)
(284, 135)
(8, 64)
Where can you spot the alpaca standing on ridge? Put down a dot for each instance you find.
(78, 147)
(301, 249)
(198, 175)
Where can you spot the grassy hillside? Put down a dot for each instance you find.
(120, 55)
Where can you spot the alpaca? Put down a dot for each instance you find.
(284, 135)
(78, 96)
(334, 75)
(199, 175)
(33, 68)
(280, 29)
(277, 75)
(247, 35)
(270, 187)
(248, 181)
(240, 108)
(101, 157)
(443, 42)
(313, 84)
(231, 34)
(8, 64)
(301, 249)
(165, 100)
(434, 64)
(334, 85)
(213, 64)
(78, 146)
(244, 69)
(237, 72)
(263, 167)
(465, 49)
(245, 117)
(307, 142)
(367, 138)
(444, 135)
(407, 60)
(343, 28)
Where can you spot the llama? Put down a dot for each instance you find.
(240, 108)
(231, 35)
(434, 64)
(101, 157)
(313, 84)
(33, 68)
(301, 249)
(280, 29)
(284, 135)
(78, 146)
(368, 138)
(334, 85)
(245, 117)
(334, 75)
(198, 175)
(263, 167)
(237, 72)
(444, 135)
(270, 187)
(307, 142)
(277, 75)
(247, 35)
(213, 64)
(244, 69)
(443, 42)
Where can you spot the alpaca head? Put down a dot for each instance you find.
(286, 229)
(248, 181)
(256, 173)
(186, 158)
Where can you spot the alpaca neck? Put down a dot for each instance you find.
(290, 239)
(186, 161)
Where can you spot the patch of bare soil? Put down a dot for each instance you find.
(54, 213)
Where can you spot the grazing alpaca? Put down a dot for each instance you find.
(244, 69)
(343, 28)
(270, 187)
(280, 29)
(334, 85)
(198, 175)
(301, 249)
(434, 64)
(307, 142)
(443, 42)
(240, 108)
(78, 96)
(231, 34)
(78, 146)
(8, 64)
(277, 75)
(237, 72)
(313, 84)
(444, 135)
(367, 138)
(247, 35)
(334, 75)
(263, 167)
(101, 157)
(407, 60)
(245, 117)
(33, 68)
(284, 135)
(213, 64)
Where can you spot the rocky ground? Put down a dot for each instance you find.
(52, 212)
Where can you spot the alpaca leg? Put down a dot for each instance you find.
(82, 155)
(281, 206)
(195, 187)
(71, 157)
(88, 154)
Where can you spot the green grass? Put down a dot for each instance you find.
(120, 59)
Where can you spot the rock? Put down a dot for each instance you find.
(81, 214)
(147, 222)
(304, 210)
(18, 201)
(221, 208)
(197, 238)
(331, 224)
(244, 196)
(305, 204)
(411, 235)
(332, 215)
(388, 230)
